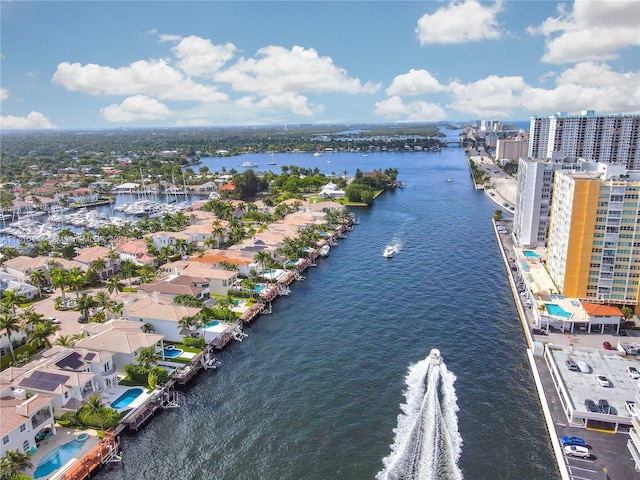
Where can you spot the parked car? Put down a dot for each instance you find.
(603, 405)
(53, 320)
(591, 406)
(584, 366)
(633, 372)
(82, 319)
(573, 366)
(577, 451)
(569, 440)
(607, 346)
(603, 381)
(538, 331)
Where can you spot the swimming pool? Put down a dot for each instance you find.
(557, 310)
(58, 457)
(212, 324)
(530, 254)
(124, 400)
(258, 288)
(172, 352)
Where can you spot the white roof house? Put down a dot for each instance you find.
(331, 190)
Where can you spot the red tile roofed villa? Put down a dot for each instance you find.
(22, 266)
(603, 315)
(23, 419)
(214, 258)
(135, 250)
(88, 255)
(220, 281)
(227, 187)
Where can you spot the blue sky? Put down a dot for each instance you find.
(142, 64)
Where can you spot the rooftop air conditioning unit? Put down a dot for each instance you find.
(20, 393)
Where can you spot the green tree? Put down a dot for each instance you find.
(38, 279)
(148, 357)
(12, 463)
(10, 324)
(39, 337)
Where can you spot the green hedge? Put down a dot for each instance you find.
(197, 342)
(140, 374)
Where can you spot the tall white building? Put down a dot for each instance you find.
(533, 199)
(598, 138)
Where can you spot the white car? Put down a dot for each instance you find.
(576, 451)
(603, 381)
(633, 372)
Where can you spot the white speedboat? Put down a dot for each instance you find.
(389, 251)
(317, 154)
(324, 251)
(434, 356)
(449, 179)
(249, 164)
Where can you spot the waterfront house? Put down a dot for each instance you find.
(161, 313)
(120, 337)
(22, 266)
(220, 281)
(23, 419)
(87, 256)
(321, 206)
(331, 190)
(165, 239)
(203, 189)
(78, 196)
(214, 259)
(134, 250)
(174, 285)
(68, 375)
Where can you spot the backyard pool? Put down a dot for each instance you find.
(557, 310)
(124, 400)
(212, 324)
(58, 457)
(530, 254)
(171, 352)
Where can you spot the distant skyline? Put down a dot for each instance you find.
(82, 64)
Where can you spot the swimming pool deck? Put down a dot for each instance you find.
(63, 435)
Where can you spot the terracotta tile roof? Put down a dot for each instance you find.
(14, 412)
(597, 310)
(120, 341)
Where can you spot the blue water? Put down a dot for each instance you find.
(258, 288)
(557, 310)
(57, 458)
(530, 253)
(212, 323)
(172, 353)
(314, 392)
(124, 400)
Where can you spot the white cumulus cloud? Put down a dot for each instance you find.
(32, 121)
(593, 30)
(138, 107)
(144, 77)
(492, 96)
(459, 22)
(199, 57)
(276, 70)
(395, 108)
(416, 82)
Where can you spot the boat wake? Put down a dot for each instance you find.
(427, 444)
(393, 247)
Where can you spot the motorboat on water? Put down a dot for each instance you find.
(434, 356)
(249, 164)
(389, 251)
(324, 250)
(449, 179)
(317, 154)
(271, 163)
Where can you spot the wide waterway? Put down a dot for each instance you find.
(314, 392)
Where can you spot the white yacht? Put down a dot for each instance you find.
(249, 164)
(317, 154)
(434, 356)
(389, 251)
(324, 250)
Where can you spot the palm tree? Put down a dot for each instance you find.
(64, 234)
(128, 269)
(38, 279)
(59, 280)
(262, 257)
(11, 299)
(94, 406)
(114, 285)
(11, 324)
(76, 279)
(98, 266)
(85, 304)
(186, 323)
(66, 340)
(12, 462)
(148, 356)
(41, 333)
(30, 317)
(217, 231)
(148, 328)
